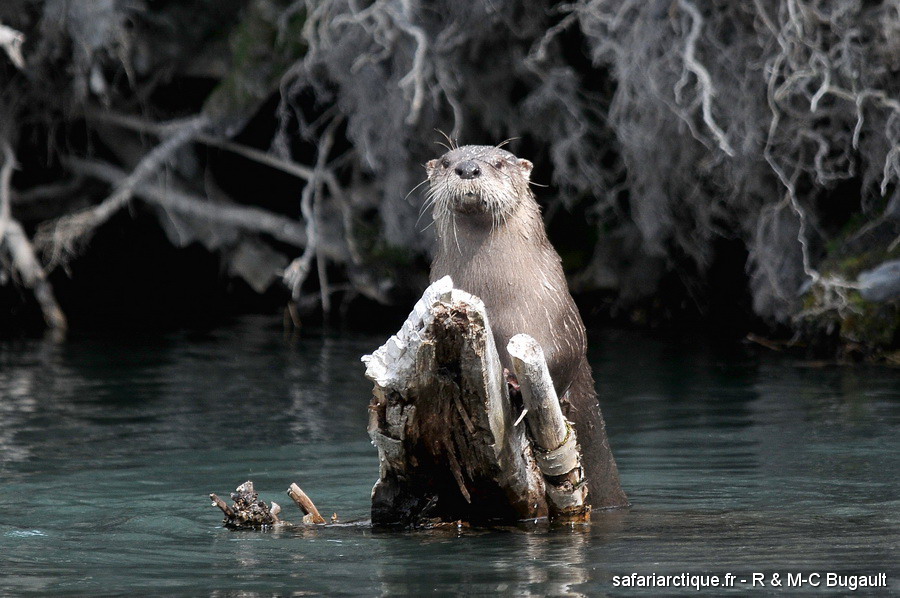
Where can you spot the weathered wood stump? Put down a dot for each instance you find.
(450, 441)
(248, 512)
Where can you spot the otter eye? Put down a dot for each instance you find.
(445, 163)
(498, 164)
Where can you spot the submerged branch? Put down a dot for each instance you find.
(249, 512)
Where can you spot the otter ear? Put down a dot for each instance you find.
(525, 165)
(431, 165)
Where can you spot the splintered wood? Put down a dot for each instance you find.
(444, 425)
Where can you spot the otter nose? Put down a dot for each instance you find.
(468, 170)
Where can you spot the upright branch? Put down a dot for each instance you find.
(552, 435)
(310, 512)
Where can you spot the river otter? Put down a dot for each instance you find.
(492, 243)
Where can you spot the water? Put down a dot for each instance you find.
(735, 464)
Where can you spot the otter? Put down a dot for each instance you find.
(491, 241)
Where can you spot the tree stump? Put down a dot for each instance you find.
(450, 440)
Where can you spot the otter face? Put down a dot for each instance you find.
(478, 180)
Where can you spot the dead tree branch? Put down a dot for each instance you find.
(552, 436)
(416, 77)
(249, 512)
(164, 129)
(247, 218)
(9, 163)
(60, 238)
(310, 512)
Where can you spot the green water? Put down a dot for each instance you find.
(735, 464)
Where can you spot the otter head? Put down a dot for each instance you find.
(478, 180)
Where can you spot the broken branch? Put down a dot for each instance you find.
(310, 512)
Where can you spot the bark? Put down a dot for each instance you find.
(31, 275)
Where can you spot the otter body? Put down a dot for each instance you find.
(492, 243)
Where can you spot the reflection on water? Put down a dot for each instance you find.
(734, 463)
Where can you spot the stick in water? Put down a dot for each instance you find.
(310, 512)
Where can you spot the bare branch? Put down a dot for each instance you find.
(246, 218)
(310, 512)
(162, 129)
(417, 74)
(61, 237)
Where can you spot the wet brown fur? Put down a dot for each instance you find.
(492, 243)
